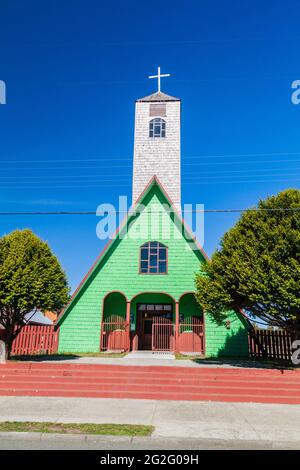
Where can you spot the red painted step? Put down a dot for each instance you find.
(50, 366)
(152, 396)
(155, 389)
(151, 382)
(146, 378)
(140, 375)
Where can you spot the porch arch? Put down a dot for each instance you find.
(114, 302)
(153, 321)
(114, 331)
(188, 305)
(155, 293)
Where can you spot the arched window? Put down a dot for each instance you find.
(153, 258)
(157, 128)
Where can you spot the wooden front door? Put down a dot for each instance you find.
(146, 337)
(145, 315)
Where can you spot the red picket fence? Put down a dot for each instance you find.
(270, 344)
(114, 335)
(191, 336)
(35, 339)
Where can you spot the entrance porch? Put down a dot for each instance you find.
(152, 322)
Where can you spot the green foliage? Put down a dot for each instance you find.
(31, 279)
(257, 267)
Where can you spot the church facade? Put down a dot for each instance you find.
(139, 294)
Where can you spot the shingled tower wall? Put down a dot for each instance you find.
(155, 155)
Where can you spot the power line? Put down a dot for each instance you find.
(123, 184)
(238, 176)
(239, 171)
(189, 157)
(128, 175)
(241, 163)
(194, 164)
(239, 155)
(282, 209)
(129, 160)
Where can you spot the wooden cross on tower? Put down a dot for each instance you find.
(159, 76)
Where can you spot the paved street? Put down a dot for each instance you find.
(177, 423)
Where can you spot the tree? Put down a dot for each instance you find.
(31, 279)
(257, 267)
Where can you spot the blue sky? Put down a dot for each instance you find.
(73, 70)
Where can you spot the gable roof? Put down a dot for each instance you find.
(130, 215)
(158, 96)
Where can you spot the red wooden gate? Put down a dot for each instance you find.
(191, 337)
(114, 334)
(162, 334)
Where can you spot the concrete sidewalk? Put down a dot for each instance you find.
(150, 358)
(260, 423)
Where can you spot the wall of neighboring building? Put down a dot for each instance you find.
(50, 315)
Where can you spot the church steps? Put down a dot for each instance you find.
(150, 382)
(22, 367)
(133, 386)
(148, 379)
(220, 397)
(155, 389)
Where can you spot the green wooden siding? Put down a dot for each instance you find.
(223, 342)
(119, 271)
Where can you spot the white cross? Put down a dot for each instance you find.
(158, 76)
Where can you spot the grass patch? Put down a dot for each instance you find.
(80, 428)
(104, 354)
(191, 357)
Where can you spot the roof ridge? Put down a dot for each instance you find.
(158, 96)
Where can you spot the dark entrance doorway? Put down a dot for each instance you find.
(147, 317)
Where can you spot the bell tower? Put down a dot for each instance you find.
(157, 143)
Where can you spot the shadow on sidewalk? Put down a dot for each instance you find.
(45, 357)
(246, 363)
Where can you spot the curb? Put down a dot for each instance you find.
(41, 436)
(128, 443)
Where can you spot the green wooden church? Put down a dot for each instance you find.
(139, 294)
